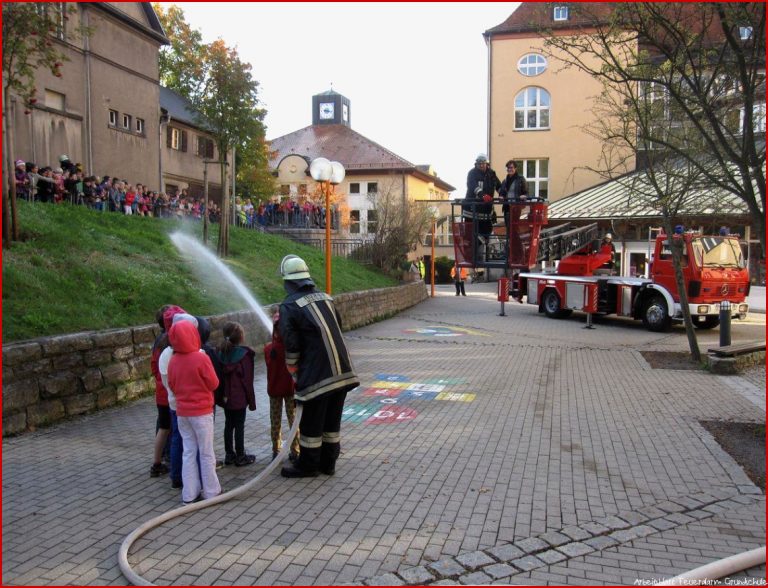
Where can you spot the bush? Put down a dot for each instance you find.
(443, 267)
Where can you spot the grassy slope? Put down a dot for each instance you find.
(77, 270)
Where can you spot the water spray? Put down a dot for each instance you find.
(189, 245)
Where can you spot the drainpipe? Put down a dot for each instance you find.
(489, 43)
(88, 102)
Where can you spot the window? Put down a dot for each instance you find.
(354, 188)
(54, 12)
(532, 64)
(758, 118)
(745, 33)
(285, 189)
(373, 187)
(113, 118)
(561, 13)
(373, 220)
(140, 126)
(303, 189)
(532, 109)
(54, 100)
(175, 139)
(354, 221)
(204, 147)
(127, 122)
(536, 173)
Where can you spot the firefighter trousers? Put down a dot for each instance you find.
(320, 426)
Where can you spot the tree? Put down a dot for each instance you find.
(32, 34)
(224, 94)
(705, 62)
(400, 224)
(253, 175)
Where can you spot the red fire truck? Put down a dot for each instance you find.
(713, 268)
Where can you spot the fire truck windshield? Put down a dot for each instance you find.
(717, 252)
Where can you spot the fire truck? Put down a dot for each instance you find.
(583, 279)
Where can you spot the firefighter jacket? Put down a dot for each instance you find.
(479, 184)
(311, 330)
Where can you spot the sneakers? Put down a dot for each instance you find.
(175, 484)
(328, 470)
(157, 470)
(230, 459)
(219, 464)
(244, 460)
(198, 499)
(293, 471)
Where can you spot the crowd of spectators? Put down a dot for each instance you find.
(69, 184)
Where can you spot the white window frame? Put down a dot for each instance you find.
(758, 118)
(535, 180)
(368, 188)
(532, 64)
(560, 13)
(358, 223)
(745, 33)
(140, 126)
(538, 108)
(127, 122)
(354, 184)
(113, 114)
(175, 139)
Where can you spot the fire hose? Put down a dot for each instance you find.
(125, 546)
(718, 569)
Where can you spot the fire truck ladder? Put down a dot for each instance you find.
(555, 243)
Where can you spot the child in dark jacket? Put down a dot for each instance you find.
(235, 393)
(280, 388)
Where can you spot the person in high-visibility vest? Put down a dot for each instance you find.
(458, 279)
(422, 268)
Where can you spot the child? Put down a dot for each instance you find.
(235, 393)
(163, 425)
(192, 378)
(280, 387)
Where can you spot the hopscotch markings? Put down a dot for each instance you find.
(386, 396)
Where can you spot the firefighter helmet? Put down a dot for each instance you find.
(294, 267)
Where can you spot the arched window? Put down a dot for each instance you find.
(532, 109)
(532, 64)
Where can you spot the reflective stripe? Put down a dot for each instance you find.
(310, 442)
(292, 358)
(331, 437)
(310, 298)
(328, 385)
(330, 345)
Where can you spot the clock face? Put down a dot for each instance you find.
(344, 112)
(326, 110)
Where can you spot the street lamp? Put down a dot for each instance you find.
(327, 173)
(434, 212)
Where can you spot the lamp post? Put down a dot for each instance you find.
(327, 173)
(434, 213)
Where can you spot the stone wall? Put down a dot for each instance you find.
(49, 379)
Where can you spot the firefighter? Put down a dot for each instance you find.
(459, 275)
(482, 183)
(607, 246)
(318, 361)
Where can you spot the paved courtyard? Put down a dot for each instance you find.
(479, 449)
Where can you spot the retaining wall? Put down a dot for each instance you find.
(49, 379)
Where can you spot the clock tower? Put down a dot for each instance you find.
(331, 108)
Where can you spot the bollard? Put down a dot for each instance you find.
(503, 293)
(725, 323)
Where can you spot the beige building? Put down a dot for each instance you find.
(104, 111)
(538, 109)
(372, 171)
(185, 148)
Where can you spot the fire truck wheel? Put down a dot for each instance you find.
(550, 302)
(708, 323)
(655, 315)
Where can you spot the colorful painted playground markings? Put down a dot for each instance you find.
(442, 332)
(386, 400)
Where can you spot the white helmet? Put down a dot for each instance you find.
(63, 158)
(294, 267)
(482, 158)
(608, 236)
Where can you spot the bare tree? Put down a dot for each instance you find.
(705, 65)
(400, 224)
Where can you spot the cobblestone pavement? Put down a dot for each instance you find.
(480, 449)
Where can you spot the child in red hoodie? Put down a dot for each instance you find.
(192, 378)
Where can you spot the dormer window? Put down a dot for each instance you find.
(561, 13)
(745, 33)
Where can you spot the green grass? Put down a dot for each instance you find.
(79, 270)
